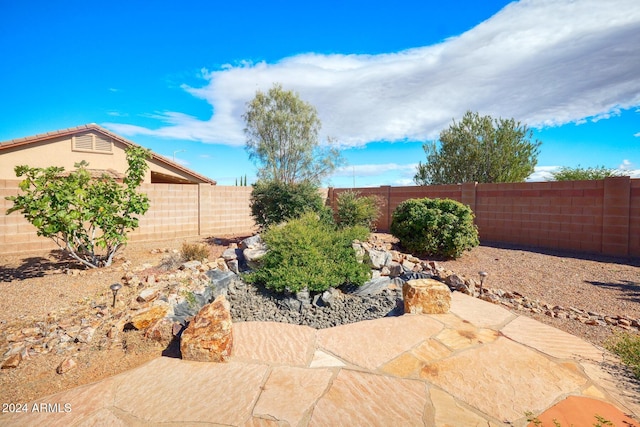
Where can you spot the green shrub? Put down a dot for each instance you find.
(194, 252)
(354, 209)
(309, 253)
(439, 227)
(273, 202)
(627, 347)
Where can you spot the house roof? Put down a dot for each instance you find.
(97, 128)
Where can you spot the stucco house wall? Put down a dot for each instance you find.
(102, 149)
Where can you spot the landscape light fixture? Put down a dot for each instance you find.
(115, 288)
(483, 276)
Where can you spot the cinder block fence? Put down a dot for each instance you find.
(601, 217)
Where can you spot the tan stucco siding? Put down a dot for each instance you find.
(60, 152)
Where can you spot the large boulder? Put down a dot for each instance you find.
(209, 338)
(426, 296)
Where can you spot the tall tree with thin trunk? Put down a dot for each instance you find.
(282, 138)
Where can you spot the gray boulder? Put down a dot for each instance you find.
(374, 286)
(378, 259)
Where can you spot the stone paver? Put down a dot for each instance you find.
(452, 369)
(503, 379)
(384, 339)
(325, 360)
(481, 313)
(271, 342)
(289, 393)
(582, 411)
(212, 392)
(363, 399)
(449, 412)
(550, 340)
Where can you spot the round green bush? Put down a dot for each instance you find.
(437, 227)
(273, 202)
(309, 253)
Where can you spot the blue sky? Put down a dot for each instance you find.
(176, 76)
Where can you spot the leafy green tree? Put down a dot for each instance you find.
(282, 138)
(578, 174)
(86, 217)
(480, 149)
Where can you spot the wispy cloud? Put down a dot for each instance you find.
(543, 62)
(117, 114)
(375, 169)
(628, 168)
(542, 173)
(637, 134)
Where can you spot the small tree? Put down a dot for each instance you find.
(578, 173)
(282, 137)
(480, 149)
(86, 217)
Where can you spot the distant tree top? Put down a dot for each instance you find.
(480, 149)
(579, 174)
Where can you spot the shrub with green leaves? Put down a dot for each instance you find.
(273, 202)
(354, 209)
(627, 346)
(309, 253)
(438, 227)
(86, 217)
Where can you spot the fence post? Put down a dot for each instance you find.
(468, 195)
(615, 215)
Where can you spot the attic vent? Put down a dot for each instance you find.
(92, 142)
(103, 143)
(84, 142)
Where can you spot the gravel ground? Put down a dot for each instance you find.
(33, 286)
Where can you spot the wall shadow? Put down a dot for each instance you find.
(630, 290)
(632, 261)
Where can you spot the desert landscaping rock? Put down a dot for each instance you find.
(209, 336)
(426, 296)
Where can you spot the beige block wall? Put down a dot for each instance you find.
(176, 211)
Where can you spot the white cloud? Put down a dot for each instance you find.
(628, 168)
(544, 62)
(117, 114)
(542, 173)
(625, 165)
(375, 169)
(637, 134)
(403, 182)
